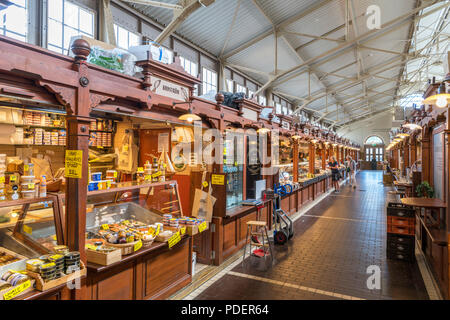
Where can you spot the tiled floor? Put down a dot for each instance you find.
(334, 244)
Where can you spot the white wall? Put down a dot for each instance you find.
(379, 125)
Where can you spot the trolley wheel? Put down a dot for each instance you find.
(280, 237)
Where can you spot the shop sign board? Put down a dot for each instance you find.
(285, 125)
(74, 162)
(169, 89)
(250, 114)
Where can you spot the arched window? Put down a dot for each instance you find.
(374, 140)
(374, 148)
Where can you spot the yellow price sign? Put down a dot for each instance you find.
(17, 290)
(218, 179)
(156, 232)
(31, 186)
(73, 163)
(105, 226)
(13, 178)
(137, 245)
(91, 247)
(205, 183)
(115, 174)
(125, 148)
(157, 174)
(140, 169)
(183, 230)
(27, 229)
(202, 226)
(2, 179)
(26, 167)
(173, 240)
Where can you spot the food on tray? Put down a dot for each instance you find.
(6, 258)
(127, 231)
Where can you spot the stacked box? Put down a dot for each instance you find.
(400, 232)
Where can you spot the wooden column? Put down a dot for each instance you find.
(295, 159)
(324, 156)
(337, 153)
(78, 139)
(413, 150)
(405, 156)
(426, 157)
(312, 157)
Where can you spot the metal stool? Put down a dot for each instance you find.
(258, 228)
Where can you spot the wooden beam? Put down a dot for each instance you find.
(156, 4)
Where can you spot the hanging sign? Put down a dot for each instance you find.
(169, 89)
(74, 161)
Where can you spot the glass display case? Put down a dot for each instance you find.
(29, 228)
(303, 160)
(233, 152)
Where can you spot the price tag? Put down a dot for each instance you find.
(12, 178)
(115, 174)
(218, 179)
(173, 240)
(157, 174)
(2, 179)
(91, 247)
(183, 230)
(27, 229)
(138, 245)
(26, 167)
(125, 148)
(105, 226)
(126, 221)
(156, 232)
(202, 227)
(54, 237)
(17, 290)
(140, 169)
(31, 186)
(108, 184)
(205, 184)
(73, 163)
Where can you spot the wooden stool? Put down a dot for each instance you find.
(258, 228)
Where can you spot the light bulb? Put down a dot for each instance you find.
(441, 101)
(190, 119)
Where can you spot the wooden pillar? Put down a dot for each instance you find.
(337, 153)
(312, 157)
(426, 157)
(405, 156)
(78, 139)
(295, 152)
(324, 156)
(413, 151)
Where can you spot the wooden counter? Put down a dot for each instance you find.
(151, 273)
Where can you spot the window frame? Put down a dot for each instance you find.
(3, 30)
(46, 19)
(205, 81)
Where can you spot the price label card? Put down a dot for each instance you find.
(157, 174)
(2, 179)
(174, 239)
(105, 226)
(157, 230)
(202, 226)
(140, 169)
(73, 163)
(31, 186)
(138, 245)
(27, 229)
(218, 179)
(205, 183)
(91, 246)
(17, 290)
(115, 174)
(13, 178)
(183, 230)
(125, 148)
(26, 167)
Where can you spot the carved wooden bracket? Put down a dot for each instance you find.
(65, 95)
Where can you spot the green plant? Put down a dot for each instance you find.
(425, 190)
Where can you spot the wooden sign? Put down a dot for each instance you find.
(169, 89)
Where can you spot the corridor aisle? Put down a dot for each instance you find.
(334, 244)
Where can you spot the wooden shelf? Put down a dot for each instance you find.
(438, 236)
(38, 126)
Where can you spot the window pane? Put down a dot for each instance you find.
(68, 34)
(86, 22)
(54, 33)
(70, 14)
(53, 48)
(55, 9)
(13, 20)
